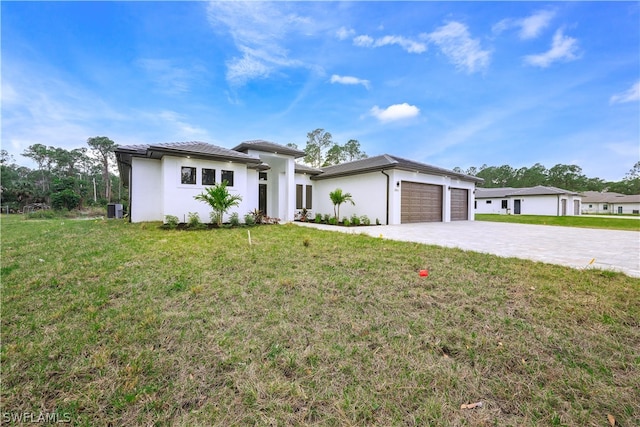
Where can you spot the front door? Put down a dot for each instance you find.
(563, 204)
(516, 207)
(620, 210)
(262, 198)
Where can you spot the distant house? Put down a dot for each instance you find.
(594, 202)
(538, 200)
(164, 178)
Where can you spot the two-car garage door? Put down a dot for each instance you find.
(423, 203)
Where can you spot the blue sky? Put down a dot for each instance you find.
(445, 83)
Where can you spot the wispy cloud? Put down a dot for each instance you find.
(405, 43)
(260, 31)
(530, 27)
(456, 43)
(169, 78)
(349, 80)
(344, 33)
(563, 48)
(395, 112)
(630, 95)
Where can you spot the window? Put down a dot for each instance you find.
(262, 176)
(605, 207)
(227, 176)
(488, 202)
(504, 204)
(208, 176)
(590, 206)
(188, 175)
(298, 196)
(308, 201)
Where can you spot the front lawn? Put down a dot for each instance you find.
(584, 221)
(108, 322)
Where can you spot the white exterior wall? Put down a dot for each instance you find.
(146, 190)
(179, 198)
(612, 208)
(550, 205)
(495, 207)
(367, 191)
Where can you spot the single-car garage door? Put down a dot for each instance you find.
(420, 202)
(459, 204)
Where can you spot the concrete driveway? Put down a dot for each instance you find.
(569, 246)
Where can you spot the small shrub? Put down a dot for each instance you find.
(234, 219)
(355, 220)
(249, 220)
(306, 242)
(43, 214)
(318, 218)
(193, 221)
(332, 221)
(304, 215)
(346, 222)
(364, 220)
(326, 218)
(258, 216)
(377, 221)
(171, 221)
(213, 217)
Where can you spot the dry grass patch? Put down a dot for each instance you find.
(132, 325)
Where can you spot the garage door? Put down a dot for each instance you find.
(459, 204)
(420, 202)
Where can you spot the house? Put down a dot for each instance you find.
(538, 200)
(594, 202)
(163, 179)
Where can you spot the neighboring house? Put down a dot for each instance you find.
(594, 202)
(164, 178)
(538, 200)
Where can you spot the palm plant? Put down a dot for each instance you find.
(220, 200)
(337, 198)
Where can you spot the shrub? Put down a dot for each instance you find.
(306, 242)
(171, 221)
(326, 218)
(219, 198)
(257, 215)
(332, 221)
(193, 221)
(346, 222)
(364, 220)
(65, 199)
(213, 217)
(377, 221)
(355, 220)
(234, 219)
(43, 214)
(249, 220)
(318, 218)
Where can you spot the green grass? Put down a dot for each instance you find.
(128, 324)
(584, 221)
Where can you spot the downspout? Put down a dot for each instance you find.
(388, 189)
(130, 189)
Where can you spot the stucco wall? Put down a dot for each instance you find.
(146, 190)
(529, 205)
(612, 208)
(368, 191)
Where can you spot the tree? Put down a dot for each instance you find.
(103, 147)
(220, 200)
(318, 142)
(337, 198)
(567, 177)
(352, 151)
(530, 177)
(335, 156)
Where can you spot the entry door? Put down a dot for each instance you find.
(563, 203)
(262, 198)
(576, 207)
(516, 207)
(620, 209)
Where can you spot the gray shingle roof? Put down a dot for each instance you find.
(189, 148)
(538, 190)
(269, 147)
(387, 161)
(300, 168)
(606, 197)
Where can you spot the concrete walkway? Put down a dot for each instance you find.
(574, 247)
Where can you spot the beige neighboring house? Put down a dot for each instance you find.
(538, 200)
(594, 202)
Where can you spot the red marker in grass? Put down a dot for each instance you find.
(424, 273)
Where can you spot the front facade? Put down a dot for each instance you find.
(163, 179)
(539, 200)
(594, 202)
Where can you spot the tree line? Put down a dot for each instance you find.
(64, 179)
(567, 177)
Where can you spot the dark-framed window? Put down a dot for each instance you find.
(504, 204)
(208, 176)
(298, 196)
(188, 175)
(262, 176)
(227, 176)
(605, 207)
(488, 202)
(308, 200)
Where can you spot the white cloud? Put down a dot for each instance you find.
(454, 41)
(395, 112)
(563, 48)
(344, 33)
(530, 27)
(168, 77)
(407, 44)
(630, 95)
(260, 31)
(349, 80)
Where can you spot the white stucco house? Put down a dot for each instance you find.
(594, 202)
(163, 179)
(538, 200)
